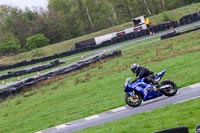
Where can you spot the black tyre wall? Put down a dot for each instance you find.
(182, 129)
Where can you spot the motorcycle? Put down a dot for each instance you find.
(140, 91)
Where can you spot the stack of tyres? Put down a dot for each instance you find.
(114, 40)
(175, 24)
(181, 129)
(190, 18)
(85, 43)
(128, 36)
(132, 35)
(168, 35)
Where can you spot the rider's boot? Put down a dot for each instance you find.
(155, 85)
(154, 88)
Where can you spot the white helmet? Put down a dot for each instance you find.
(134, 67)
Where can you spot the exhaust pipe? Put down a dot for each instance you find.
(165, 87)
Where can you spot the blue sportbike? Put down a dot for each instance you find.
(140, 91)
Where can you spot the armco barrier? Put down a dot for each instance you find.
(18, 87)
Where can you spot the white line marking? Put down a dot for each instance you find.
(39, 132)
(118, 109)
(187, 100)
(91, 117)
(61, 126)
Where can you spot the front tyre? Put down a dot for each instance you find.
(133, 101)
(168, 88)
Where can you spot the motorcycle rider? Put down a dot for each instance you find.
(142, 72)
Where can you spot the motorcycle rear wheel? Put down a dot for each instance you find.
(171, 91)
(133, 102)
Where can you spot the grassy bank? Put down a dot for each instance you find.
(99, 87)
(60, 47)
(78, 58)
(184, 114)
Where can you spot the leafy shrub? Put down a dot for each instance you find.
(9, 44)
(36, 41)
(165, 17)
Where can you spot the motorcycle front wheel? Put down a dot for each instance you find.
(133, 101)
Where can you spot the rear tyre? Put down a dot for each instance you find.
(133, 102)
(171, 88)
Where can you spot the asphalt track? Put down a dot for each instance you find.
(107, 49)
(184, 94)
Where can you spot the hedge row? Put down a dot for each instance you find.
(21, 85)
(30, 70)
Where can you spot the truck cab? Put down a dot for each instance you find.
(140, 23)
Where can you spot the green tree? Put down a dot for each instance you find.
(17, 22)
(66, 19)
(36, 41)
(9, 44)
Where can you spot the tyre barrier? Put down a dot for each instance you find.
(197, 128)
(164, 26)
(190, 18)
(42, 59)
(90, 44)
(174, 33)
(25, 84)
(190, 30)
(168, 35)
(181, 129)
(31, 70)
(85, 43)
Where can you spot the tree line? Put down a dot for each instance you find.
(23, 30)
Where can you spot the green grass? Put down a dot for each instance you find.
(60, 47)
(183, 114)
(140, 42)
(100, 86)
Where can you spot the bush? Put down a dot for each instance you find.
(36, 41)
(9, 44)
(165, 17)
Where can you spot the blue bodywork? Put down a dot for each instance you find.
(143, 88)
